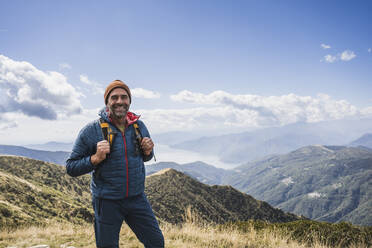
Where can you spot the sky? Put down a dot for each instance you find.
(208, 66)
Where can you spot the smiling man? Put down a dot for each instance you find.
(114, 148)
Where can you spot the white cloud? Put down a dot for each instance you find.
(255, 110)
(369, 50)
(190, 119)
(330, 58)
(366, 111)
(95, 88)
(33, 92)
(85, 79)
(324, 46)
(6, 123)
(217, 112)
(63, 66)
(142, 93)
(347, 55)
(222, 112)
(31, 130)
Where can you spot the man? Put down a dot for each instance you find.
(118, 176)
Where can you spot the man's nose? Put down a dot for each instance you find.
(120, 100)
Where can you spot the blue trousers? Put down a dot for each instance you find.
(135, 211)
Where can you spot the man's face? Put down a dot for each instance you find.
(118, 103)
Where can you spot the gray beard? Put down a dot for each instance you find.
(120, 115)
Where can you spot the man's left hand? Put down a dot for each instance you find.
(147, 145)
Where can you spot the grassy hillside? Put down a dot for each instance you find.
(34, 192)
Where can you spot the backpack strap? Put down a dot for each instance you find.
(109, 135)
(107, 132)
(139, 137)
(138, 133)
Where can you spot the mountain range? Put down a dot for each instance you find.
(52, 146)
(327, 183)
(57, 157)
(37, 192)
(331, 183)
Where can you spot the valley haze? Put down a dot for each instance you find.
(231, 150)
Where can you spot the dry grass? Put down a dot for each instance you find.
(187, 235)
(192, 233)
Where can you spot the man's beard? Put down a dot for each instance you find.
(119, 114)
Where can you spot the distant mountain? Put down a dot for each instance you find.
(171, 192)
(203, 172)
(36, 192)
(249, 146)
(365, 140)
(327, 183)
(47, 156)
(52, 146)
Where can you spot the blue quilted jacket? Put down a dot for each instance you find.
(122, 173)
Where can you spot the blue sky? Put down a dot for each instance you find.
(215, 66)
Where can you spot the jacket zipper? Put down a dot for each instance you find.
(126, 163)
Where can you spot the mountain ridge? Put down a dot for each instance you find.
(218, 204)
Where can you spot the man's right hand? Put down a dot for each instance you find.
(103, 148)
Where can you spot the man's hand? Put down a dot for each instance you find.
(103, 148)
(147, 145)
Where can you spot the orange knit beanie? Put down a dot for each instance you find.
(116, 84)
